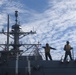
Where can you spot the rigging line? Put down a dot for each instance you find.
(1, 47)
(31, 52)
(40, 51)
(25, 50)
(42, 54)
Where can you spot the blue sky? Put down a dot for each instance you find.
(53, 20)
(37, 5)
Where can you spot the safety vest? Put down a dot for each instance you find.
(67, 48)
(47, 49)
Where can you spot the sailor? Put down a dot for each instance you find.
(47, 51)
(67, 49)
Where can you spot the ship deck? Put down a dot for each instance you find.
(37, 67)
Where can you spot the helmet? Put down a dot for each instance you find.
(67, 42)
(47, 44)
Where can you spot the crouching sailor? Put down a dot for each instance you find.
(47, 51)
(68, 49)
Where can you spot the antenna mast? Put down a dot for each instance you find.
(8, 34)
(16, 15)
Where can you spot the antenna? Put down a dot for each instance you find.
(16, 15)
(8, 34)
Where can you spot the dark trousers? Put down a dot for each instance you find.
(48, 55)
(66, 54)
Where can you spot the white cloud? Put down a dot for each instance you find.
(55, 25)
(59, 21)
(2, 2)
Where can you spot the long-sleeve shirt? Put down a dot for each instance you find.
(47, 49)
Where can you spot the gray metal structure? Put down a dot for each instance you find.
(13, 63)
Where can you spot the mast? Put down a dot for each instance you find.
(16, 34)
(16, 15)
(8, 34)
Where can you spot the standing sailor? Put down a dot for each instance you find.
(47, 51)
(67, 49)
